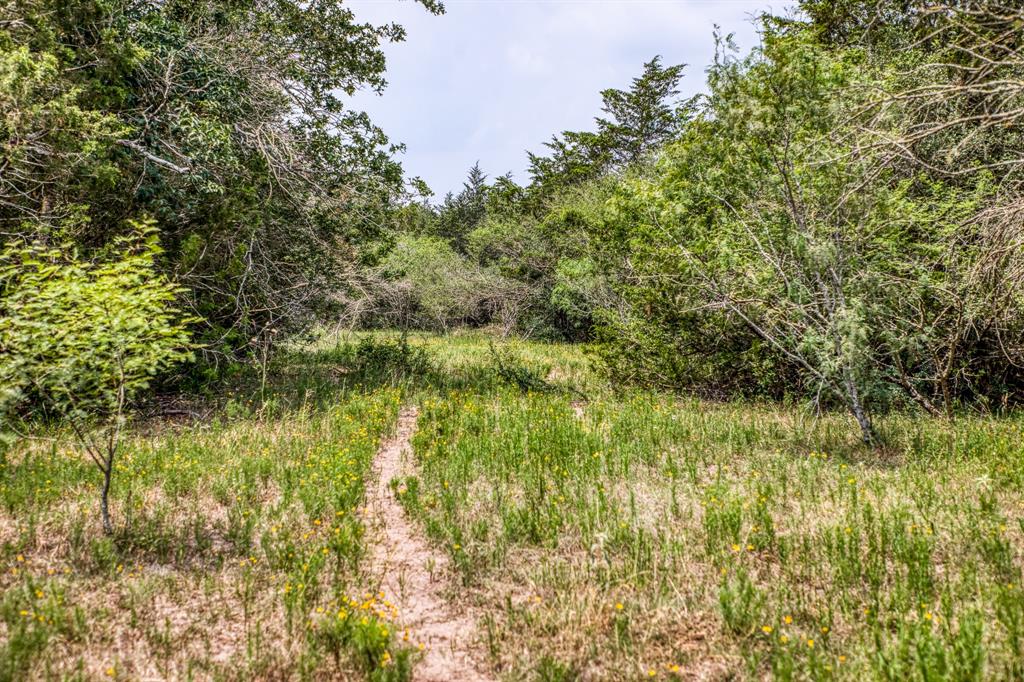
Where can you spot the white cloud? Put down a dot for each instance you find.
(526, 60)
(492, 78)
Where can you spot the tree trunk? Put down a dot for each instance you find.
(108, 528)
(867, 430)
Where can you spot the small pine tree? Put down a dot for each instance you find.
(460, 214)
(638, 121)
(644, 117)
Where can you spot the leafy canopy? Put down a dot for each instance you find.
(86, 338)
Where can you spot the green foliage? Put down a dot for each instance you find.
(741, 604)
(817, 227)
(880, 24)
(645, 117)
(369, 641)
(529, 247)
(773, 250)
(577, 290)
(514, 372)
(640, 120)
(85, 339)
(440, 286)
(226, 122)
(426, 284)
(389, 361)
(459, 214)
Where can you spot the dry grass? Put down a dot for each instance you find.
(621, 537)
(652, 537)
(232, 540)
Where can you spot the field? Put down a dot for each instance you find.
(582, 533)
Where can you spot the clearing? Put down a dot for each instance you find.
(519, 520)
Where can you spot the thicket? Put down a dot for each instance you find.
(838, 219)
(181, 184)
(841, 222)
(518, 256)
(225, 123)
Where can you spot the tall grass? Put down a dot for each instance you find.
(657, 537)
(625, 536)
(239, 552)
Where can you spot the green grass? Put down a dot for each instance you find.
(238, 555)
(650, 536)
(676, 538)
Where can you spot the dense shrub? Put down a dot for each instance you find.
(83, 339)
(424, 283)
(225, 122)
(776, 249)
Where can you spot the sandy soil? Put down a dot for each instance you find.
(413, 576)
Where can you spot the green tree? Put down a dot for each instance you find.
(226, 121)
(85, 338)
(645, 117)
(878, 24)
(638, 121)
(459, 214)
(808, 234)
(425, 283)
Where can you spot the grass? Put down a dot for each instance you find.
(658, 537)
(238, 556)
(630, 536)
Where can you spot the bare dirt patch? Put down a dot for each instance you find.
(414, 576)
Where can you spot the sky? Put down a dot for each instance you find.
(490, 79)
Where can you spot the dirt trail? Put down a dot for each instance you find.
(413, 576)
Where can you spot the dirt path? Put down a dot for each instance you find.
(413, 576)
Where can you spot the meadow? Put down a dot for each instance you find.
(590, 534)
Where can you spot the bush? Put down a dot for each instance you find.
(84, 339)
(424, 284)
(510, 370)
(391, 359)
(774, 250)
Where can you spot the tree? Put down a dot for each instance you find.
(86, 338)
(573, 159)
(645, 117)
(957, 108)
(952, 110)
(225, 121)
(885, 25)
(459, 214)
(769, 237)
(423, 282)
(639, 121)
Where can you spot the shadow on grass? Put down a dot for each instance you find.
(319, 378)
